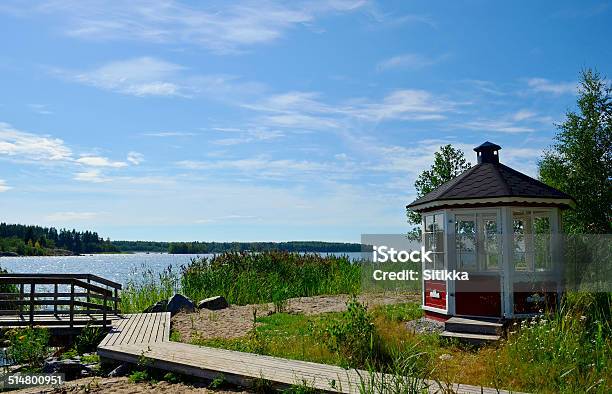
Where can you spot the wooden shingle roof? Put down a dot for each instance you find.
(490, 180)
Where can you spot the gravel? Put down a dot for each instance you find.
(425, 326)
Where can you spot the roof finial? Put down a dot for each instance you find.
(488, 153)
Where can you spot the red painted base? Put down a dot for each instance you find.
(436, 316)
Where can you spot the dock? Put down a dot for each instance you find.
(63, 302)
(145, 338)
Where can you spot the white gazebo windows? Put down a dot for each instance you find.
(477, 242)
(434, 240)
(532, 239)
(491, 244)
(465, 242)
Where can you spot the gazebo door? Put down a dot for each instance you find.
(478, 251)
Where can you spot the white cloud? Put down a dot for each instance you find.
(164, 134)
(222, 27)
(143, 76)
(231, 217)
(546, 86)
(246, 135)
(3, 186)
(99, 161)
(153, 77)
(31, 147)
(135, 158)
(523, 114)
(406, 104)
(306, 111)
(40, 109)
(260, 167)
(94, 176)
(71, 216)
(502, 126)
(408, 61)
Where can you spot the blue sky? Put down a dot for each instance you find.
(271, 121)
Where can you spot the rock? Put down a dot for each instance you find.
(121, 370)
(213, 303)
(425, 326)
(71, 368)
(160, 306)
(178, 303)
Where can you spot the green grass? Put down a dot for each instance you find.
(90, 359)
(400, 312)
(283, 335)
(252, 278)
(567, 351)
(150, 288)
(247, 278)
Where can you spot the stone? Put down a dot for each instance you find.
(121, 370)
(71, 368)
(179, 302)
(213, 303)
(160, 306)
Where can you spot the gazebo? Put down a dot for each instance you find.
(503, 228)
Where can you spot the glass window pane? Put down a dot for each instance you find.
(467, 261)
(439, 222)
(542, 252)
(439, 241)
(492, 261)
(429, 223)
(520, 262)
(439, 259)
(541, 225)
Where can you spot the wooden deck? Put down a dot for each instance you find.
(148, 335)
(59, 321)
(138, 329)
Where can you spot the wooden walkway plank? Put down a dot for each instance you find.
(125, 330)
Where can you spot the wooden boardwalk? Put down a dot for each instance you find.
(138, 329)
(146, 336)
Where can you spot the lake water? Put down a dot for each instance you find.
(120, 268)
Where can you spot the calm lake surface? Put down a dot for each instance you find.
(120, 268)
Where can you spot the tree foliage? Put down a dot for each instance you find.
(580, 162)
(448, 163)
(36, 240)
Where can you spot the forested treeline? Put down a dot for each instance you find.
(197, 247)
(141, 246)
(293, 246)
(39, 241)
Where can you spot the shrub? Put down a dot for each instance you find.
(354, 335)
(139, 376)
(568, 351)
(88, 339)
(29, 346)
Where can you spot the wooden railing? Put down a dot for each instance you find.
(57, 299)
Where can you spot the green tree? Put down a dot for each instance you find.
(448, 163)
(580, 162)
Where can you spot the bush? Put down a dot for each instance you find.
(568, 351)
(353, 336)
(29, 346)
(88, 339)
(139, 376)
